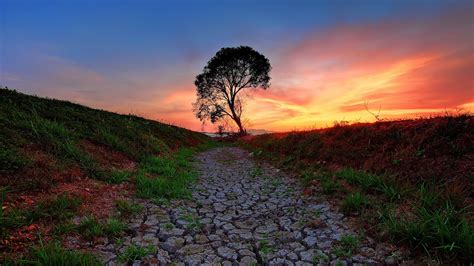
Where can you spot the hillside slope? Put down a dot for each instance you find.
(410, 181)
(438, 150)
(39, 135)
(57, 157)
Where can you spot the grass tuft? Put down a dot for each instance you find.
(134, 252)
(126, 208)
(53, 254)
(354, 202)
(441, 231)
(347, 246)
(166, 177)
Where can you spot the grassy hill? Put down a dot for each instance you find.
(59, 159)
(410, 181)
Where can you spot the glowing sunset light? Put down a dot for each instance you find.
(409, 60)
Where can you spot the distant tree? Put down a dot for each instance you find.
(220, 130)
(230, 71)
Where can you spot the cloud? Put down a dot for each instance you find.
(405, 66)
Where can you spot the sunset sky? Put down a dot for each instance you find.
(328, 57)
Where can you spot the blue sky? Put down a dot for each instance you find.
(117, 54)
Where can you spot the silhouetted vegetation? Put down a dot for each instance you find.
(230, 71)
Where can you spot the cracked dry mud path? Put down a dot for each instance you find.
(244, 214)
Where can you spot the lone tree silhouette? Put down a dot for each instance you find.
(230, 71)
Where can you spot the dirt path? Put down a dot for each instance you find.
(241, 213)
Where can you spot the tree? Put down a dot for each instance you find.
(230, 71)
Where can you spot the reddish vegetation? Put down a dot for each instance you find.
(439, 150)
(45, 179)
(106, 157)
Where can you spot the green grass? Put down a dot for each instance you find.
(117, 176)
(308, 176)
(134, 252)
(193, 222)
(256, 171)
(354, 202)
(11, 159)
(114, 227)
(90, 228)
(52, 254)
(347, 246)
(442, 231)
(58, 127)
(366, 181)
(58, 208)
(166, 177)
(126, 208)
(265, 247)
(329, 186)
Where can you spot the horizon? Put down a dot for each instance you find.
(328, 58)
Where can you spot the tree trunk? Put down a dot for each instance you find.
(236, 118)
(239, 124)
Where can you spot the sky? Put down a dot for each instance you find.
(330, 59)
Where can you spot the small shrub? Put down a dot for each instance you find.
(134, 252)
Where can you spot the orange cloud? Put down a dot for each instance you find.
(410, 67)
(407, 67)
